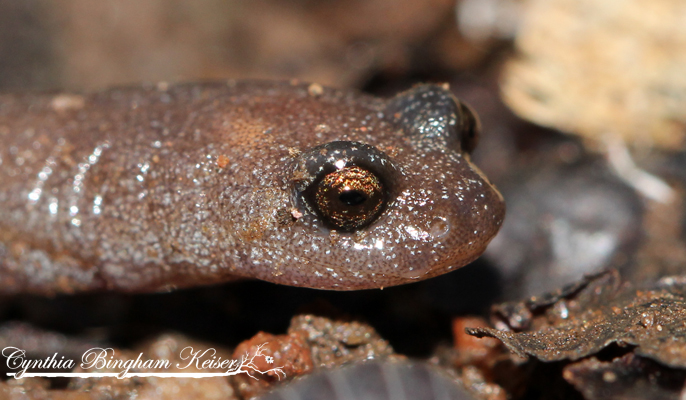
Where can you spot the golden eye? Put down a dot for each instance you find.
(350, 198)
(346, 185)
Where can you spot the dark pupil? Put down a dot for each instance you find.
(352, 198)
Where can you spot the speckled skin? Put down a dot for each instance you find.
(153, 188)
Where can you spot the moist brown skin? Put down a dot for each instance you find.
(152, 188)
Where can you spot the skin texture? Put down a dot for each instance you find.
(153, 188)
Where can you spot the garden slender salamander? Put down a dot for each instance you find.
(158, 187)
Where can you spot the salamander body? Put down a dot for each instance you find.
(158, 187)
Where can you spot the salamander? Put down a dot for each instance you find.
(163, 186)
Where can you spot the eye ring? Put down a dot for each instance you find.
(347, 185)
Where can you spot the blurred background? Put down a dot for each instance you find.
(88, 45)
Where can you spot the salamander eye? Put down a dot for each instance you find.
(350, 198)
(346, 184)
(432, 117)
(470, 128)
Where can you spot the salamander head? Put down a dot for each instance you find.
(395, 202)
